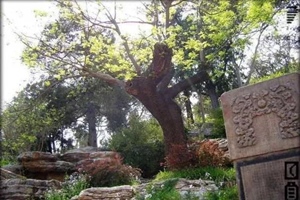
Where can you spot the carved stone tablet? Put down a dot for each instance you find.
(264, 117)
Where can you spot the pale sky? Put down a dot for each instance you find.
(18, 16)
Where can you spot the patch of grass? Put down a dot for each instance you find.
(208, 173)
(223, 194)
(70, 189)
(165, 191)
(220, 176)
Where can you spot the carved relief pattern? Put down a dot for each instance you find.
(276, 99)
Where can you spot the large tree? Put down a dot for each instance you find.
(202, 40)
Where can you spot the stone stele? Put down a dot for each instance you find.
(263, 130)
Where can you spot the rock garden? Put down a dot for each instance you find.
(89, 173)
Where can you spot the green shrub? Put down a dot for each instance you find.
(108, 173)
(165, 191)
(216, 118)
(223, 194)
(140, 145)
(213, 173)
(294, 67)
(72, 187)
(223, 177)
(4, 162)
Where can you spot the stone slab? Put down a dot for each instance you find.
(263, 118)
(266, 177)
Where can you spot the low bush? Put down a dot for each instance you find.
(72, 186)
(180, 158)
(225, 193)
(223, 177)
(108, 173)
(212, 173)
(216, 118)
(165, 191)
(141, 145)
(208, 154)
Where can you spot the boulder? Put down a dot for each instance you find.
(47, 166)
(5, 174)
(16, 168)
(74, 157)
(85, 156)
(87, 149)
(37, 155)
(44, 166)
(196, 188)
(23, 189)
(124, 192)
(86, 153)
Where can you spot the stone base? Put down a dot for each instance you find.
(269, 176)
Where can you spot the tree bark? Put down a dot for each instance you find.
(91, 119)
(201, 108)
(188, 107)
(162, 107)
(211, 91)
(152, 90)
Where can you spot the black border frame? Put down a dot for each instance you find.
(261, 159)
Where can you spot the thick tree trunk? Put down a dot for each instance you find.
(151, 89)
(162, 107)
(91, 119)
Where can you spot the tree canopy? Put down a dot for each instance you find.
(186, 46)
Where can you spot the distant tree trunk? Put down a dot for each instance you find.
(49, 143)
(91, 119)
(188, 107)
(212, 93)
(53, 144)
(201, 108)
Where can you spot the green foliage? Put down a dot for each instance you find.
(70, 189)
(221, 176)
(216, 118)
(265, 78)
(213, 173)
(223, 194)
(292, 68)
(140, 144)
(29, 120)
(4, 161)
(165, 191)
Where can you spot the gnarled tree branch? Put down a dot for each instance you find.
(187, 83)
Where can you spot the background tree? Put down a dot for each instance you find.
(89, 42)
(27, 125)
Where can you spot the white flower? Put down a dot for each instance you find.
(207, 175)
